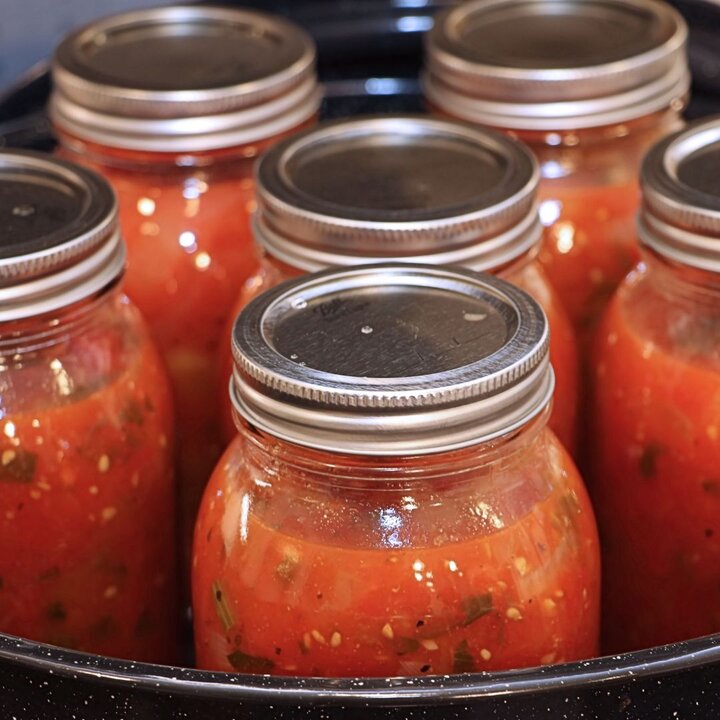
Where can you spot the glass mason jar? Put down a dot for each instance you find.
(173, 105)
(589, 85)
(394, 503)
(87, 522)
(656, 434)
(415, 189)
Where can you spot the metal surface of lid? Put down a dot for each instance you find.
(397, 187)
(184, 77)
(680, 182)
(556, 64)
(59, 237)
(391, 359)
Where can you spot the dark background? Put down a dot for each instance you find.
(369, 54)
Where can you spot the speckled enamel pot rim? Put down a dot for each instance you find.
(365, 692)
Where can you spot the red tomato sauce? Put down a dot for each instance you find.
(87, 521)
(186, 226)
(288, 585)
(656, 444)
(590, 248)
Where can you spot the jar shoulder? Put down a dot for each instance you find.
(62, 361)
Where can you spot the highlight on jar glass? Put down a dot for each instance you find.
(87, 516)
(394, 503)
(173, 105)
(656, 439)
(590, 85)
(408, 188)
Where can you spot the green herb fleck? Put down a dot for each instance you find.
(463, 661)
(475, 607)
(104, 627)
(56, 611)
(405, 645)
(649, 458)
(50, 574)
(144, 624)
(132, 413)
(711, 487)
(221, 607)
(243, 662)
(18, 466)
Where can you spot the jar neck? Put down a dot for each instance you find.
(287, 271)
(681, 281)
(332, 470)
(143, 161)
(36, 333)
(649, 126)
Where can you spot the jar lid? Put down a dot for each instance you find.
(556, 64)
(397, 187)
(680, 182)
(59, 234)
(184, 78)
(391, 359)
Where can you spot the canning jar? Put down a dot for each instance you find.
(394, 503)
(656, 439)
(87, 526)
(415, 189)
(173, 105)
(589, 85)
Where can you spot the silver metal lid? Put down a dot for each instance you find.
(397, 187)
(556, 64)
(391, 359)
(680, 181)
(59, 237)
(184, 78)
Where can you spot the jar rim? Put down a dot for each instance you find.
(252, 76)
(412, 187)
(424, 359)
(62, 239)
(614, 83)
(680, 213)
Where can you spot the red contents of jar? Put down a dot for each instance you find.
(87, 492)
(173, 105)
(655, 432)
(345, 601)
(368, 521)
(87, 503)
(655, 466)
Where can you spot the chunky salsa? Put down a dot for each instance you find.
(373, 575)
(189, 250)
(87, 528)
(656, 479)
